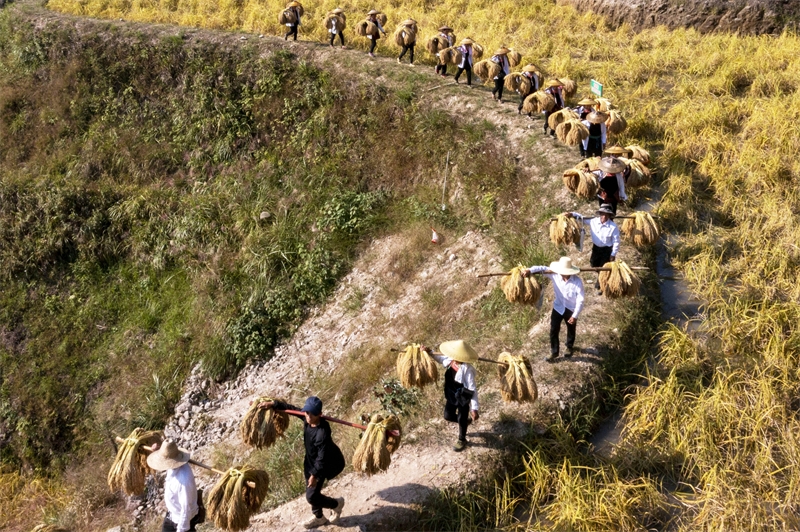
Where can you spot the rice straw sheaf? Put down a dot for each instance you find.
(538, 102)
(514, 58)
(417, 368)
(333, 20)
(641, 229)
(572, 132)
(604, 105)
(560, 117)
(231, 501)
(640, 174)
(486, 69)
(374, 451)
(581, 183)
(570, 87)
(519, 289)
(640, 154)
(516, 379)
(590, 164)
(287, 16)
(616, 123)
(260, 427)
(129, 470)
(450, 55)
(436, 44)
(477, 51)
(404, 36)
(619, 282)
(361, 28)
(382, 19)
(512, 81)
(565, 230)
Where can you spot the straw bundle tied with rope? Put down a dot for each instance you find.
(417, 368)
(619, 282)
(404, 36)
(639, 153)
(287, 16)
(572, 132)
(487, 69)
(436, 44)
(129, 470)
(580, 182)
(641, 229)
(561, 116)
(233, 499)
(565, 230)
(298, 6)
(374, 451)
(519, 289)
(367, 27)
(590, 164)
(514, 58)
(538, 102)
(477, 51)
(262, 426)
(450, 56)
(516, 380)
(640, 174)
(512, 81)
(332, 20)
(616, 123)
(570, 87)
(604, 105)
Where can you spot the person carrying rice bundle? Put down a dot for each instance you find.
(467, 59)
(585, 106)
(592, 146)
(569, 295)
(460, 389)
(554, 89)
(297, 9)
(618, 152)
(446, 40)
(334, 28)
(407, 38)
(500, 57)
(323, 460)
(605, 234)
(611, 182)
(532, 75)
(180, 490)
(372, 16)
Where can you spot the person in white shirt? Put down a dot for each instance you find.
(467, 56)
(569, 295)
(501, 58)
(532, 74)
(372, 16)
(446, 40)
(605, 236)
(460, 389)
(180, 490)
(592, 146)
(611, 181)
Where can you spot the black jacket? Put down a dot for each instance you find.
(323, 457)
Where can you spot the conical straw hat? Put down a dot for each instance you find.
(459, 351)
(168, 456)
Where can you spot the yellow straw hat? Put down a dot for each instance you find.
(445, 29)
(554, 83)
(596, 118)
(587, 101)
(616, 150)
(529, 68)
(611, 165)
(466, 41)
(373, 12)
(337, 11)
(459, 351)
(502, 51)
(293, 4)
(168, 456)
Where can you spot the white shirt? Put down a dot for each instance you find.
(447, 37)
(620, 182)
(466, 56)
(603, 234)
(465, 375)
(180, 496)
(534, 80)
(602, 134)
(569, 294)
(502, 60)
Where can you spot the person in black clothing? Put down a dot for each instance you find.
(554, 89)
(409, 26)
(323, 460)
(612, 185)
(500, 57)
(294, 7)
(593, 145)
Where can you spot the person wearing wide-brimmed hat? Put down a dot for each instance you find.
(467, 58)
(323, 459)
(592, 146)
(333, 30)
(605, 236)
(447, 37)
(460, 389)
(530, 72)
(619, 151)
(569, 295)
(554, 88)
(611, 182)
(585, 106)
(372, 16)
(501, 58)
(295, 8)
(409, 26)
(180, 489)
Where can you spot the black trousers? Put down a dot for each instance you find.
(317, 500)
(594, 148)
(521, 102)
(441, 69)
(372, 43)
(458, 414)
(292, 31)
(169, 526)
(341, 37)
(498, 86)
(408, 48)
(469, 73)
(600, 255)
(555, 330)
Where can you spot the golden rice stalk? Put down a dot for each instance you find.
(374, 451)
(49, 528)
(640, 174)
(572, 132)
(231, 501)
(570, 87)
(416, 368)
(287, 16)
(516, 379)
(404, 36)
(361, 28)
(382, 19)
(262, 426)
(477, 51)
(130, 467)
(561, 116)
(604, 105)
(514, 58)
(640, 154)
(588, 186)
(538, 102)
(436, 44)
(565, 230)
(512, 81)
(525, 86)
(616, 123)
(641, 229)
(519, 289)
(590, 164)
(333, 20)
(619, 282)
(450, 55)
(486, 69)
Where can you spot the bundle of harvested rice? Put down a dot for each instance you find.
(477, 51)
(232, 501)
(514, 58)
(382, 19)
(361, 28)
(616, 123)
(450, 55)
(604, 105)
(639, 153)
(538, 102)
(619, 282)
(512, 81)
(641, 229)
(486, 69)
(49, 528)
(374, 451)
(590, 164)
(565, 230)
(570, 87)
(561, 116)
(287, 16)
(519, 289)
(516, 380)
(262, 426)
(436, 44)
(416, 368)
(298, 6)
(404, 36)
(572, 132)
(640, 174)
(130, 467)
(581, 183)
(333, 20)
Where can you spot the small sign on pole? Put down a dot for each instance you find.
(597, 88)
